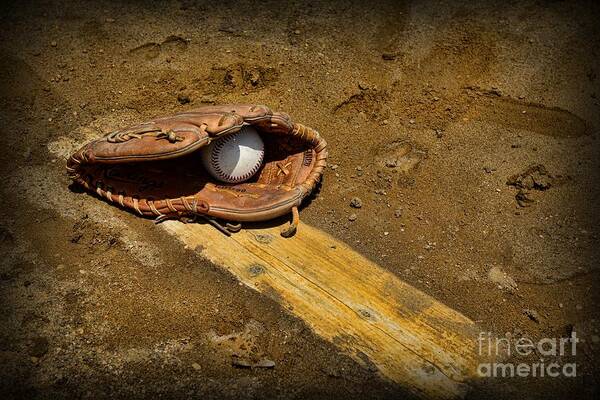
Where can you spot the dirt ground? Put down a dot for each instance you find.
(468, 130)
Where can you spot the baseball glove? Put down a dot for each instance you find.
(155, 170)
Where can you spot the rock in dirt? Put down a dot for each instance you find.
(183, 99)
(535, 177)
(532, 315)
(352, 217)
(391, 163)
(524, 198)
(240, 362)
(363, 85)
(356, 202)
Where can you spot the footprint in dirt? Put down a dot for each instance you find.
(372, 102)
(395, 163)
(399, 156)
(531, 182)
(171, 45)
(243, 347)
(239, 76)
(511, 113)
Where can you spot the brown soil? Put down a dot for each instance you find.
(469, 132)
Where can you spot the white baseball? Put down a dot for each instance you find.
(234, 158)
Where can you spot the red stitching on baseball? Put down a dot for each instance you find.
(214, 162)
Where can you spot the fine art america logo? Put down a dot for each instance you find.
(549, 351)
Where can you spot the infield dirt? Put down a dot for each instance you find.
(469, 133)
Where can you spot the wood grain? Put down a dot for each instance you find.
(366, 311)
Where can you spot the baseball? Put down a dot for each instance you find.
(234, 158)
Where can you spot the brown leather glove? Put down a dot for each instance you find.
(154, 168)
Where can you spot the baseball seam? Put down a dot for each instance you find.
(214, 162)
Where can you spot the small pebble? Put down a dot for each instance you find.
(352, 217)
(391, 163)
(532, 315)
(183, 99)
(356, 202)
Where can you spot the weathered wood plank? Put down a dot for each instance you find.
(365, 310)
